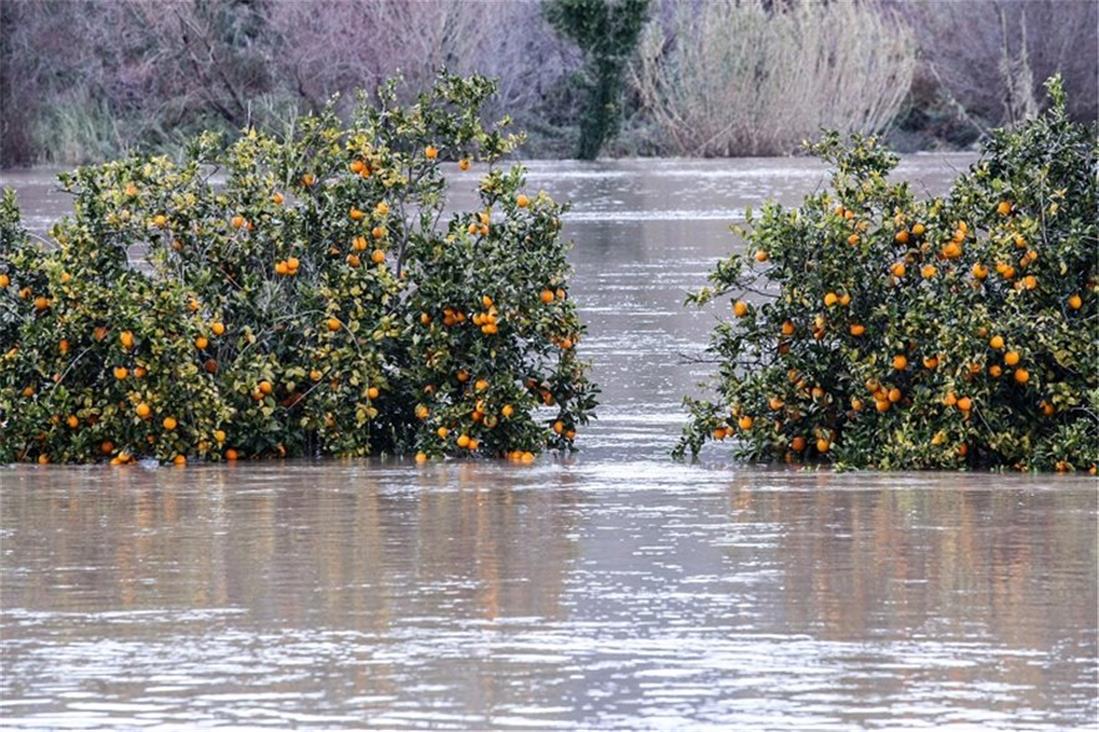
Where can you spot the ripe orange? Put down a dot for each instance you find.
(1003, 208)
(740, 308)
(507, 411)
(901, 237)
(882, 405)
(762, 255)
(900, 362)
(373, 392)
(355, 214)
(121, 372)
(231, 454)
(219, 435)
(356, 166)
(853, 240)
(143, 410)
(201, 342)
(1075, 302)
(126, 339)
(797, 444)
(463, 164)
(382, 208)
(353, 261)
(72, 421)
(5, 281)
(292, 264)
(308, 179)
(928, 271)
(522, 201)
(856, 404)
(546, 296)
(918, 229)
(378, 232)
(965, 404)
(106, 447)
(898, 269)
(787, 328)
(481, 385)
(1022, 376)
(431, 152)
(831, 299)
(931, 362)
(1011, 358)
(281, 269)
(169, 423)
(237, 221)
(442, 432)
(41, 303)
(463, 440)
(277, 198)
(180, 459)
(996, 343)
(857, 329)
(775, 403)
(265, 387)
(378, 256)
(745, 422)
(823, 445)
(421, 457)
(217, 328)
(422, 411)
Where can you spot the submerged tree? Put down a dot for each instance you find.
(607, 31)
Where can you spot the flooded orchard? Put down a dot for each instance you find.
(614, 588)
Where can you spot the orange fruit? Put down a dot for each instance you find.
(442, 432)
(1075, 302)
(762, 255)
(353, 261)
(382, 208)
(265, 387)
(277, 198)
(740, 308)
(901, 237)
(72, 421)
(126, 339)
(508, 410)
(179, 460)
(231, 454)
(857, 329)
(333, 324)
(1022, 376)
(1011, 358)
(463, 440)
(898, 269)
(378, 232)
(463, 164)
(421, 457)
(355, 214)
(546, 296)
(965, 404)
(853, 240)
(217, 328)
(775, 403)
(900, 362)
(745, 422)
(928, 271)
(237, 221)
(431, 152)
(219, 435)
(378, 256)
(931, 362)
(169, 423)
(823, 445)
(1003, 208)
(373, 392)
(308, 179)
(797, 444)
(281, 269)
(918, 229)
(996, 342)
(143, 410)
(356, 166)
(201, 342)
(522, 201)
(895, 395)
(831, 299)
(121, 372)
(787, 328)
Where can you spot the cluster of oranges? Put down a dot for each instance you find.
(918, 334)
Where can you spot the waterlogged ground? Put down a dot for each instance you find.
(613, 589)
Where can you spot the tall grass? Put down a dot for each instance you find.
(732, 77)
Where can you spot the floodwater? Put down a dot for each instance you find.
(611, 589)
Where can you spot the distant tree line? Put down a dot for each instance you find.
(84, 80)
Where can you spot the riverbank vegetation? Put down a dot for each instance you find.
(86, 81)
(872, 329)
(299, 295)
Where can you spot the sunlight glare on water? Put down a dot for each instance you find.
(615, 588)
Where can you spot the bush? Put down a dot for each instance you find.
(298, 296)
(874, 330)
(731, 78)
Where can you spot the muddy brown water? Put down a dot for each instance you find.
(615, 588)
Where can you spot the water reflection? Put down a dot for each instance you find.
(470, 595)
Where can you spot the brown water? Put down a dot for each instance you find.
(613, 589)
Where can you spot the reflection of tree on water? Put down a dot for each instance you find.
(954, 559)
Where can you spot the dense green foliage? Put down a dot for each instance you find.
(872, 329)
(296, 296)
(607, 31)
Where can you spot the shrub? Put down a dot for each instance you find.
(298, 296)
(729, 78)
(871, 329)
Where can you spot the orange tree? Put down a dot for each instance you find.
(872, 329)
(309, 294)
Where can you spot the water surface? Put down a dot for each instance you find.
(611, 589)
